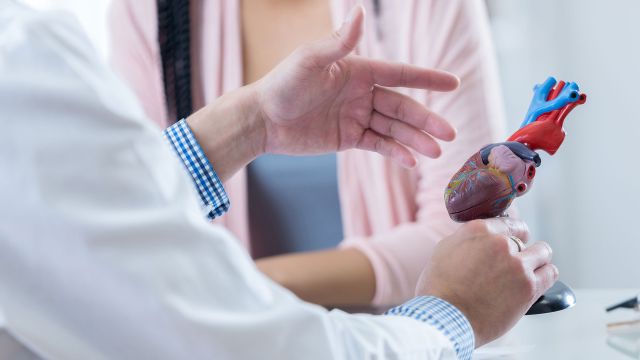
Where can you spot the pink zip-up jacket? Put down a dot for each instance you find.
(393, 215)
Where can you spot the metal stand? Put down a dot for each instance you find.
(559, 297)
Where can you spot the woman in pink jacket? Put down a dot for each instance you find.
(391, 216)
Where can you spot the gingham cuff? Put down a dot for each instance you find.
(444, 317)
(214, 199)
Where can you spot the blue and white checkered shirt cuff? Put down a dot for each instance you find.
(214, 199)
(444, 317)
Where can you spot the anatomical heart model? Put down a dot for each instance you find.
(488, 182)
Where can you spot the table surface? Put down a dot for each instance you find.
(576, 333)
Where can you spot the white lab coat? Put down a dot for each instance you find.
(104, 253)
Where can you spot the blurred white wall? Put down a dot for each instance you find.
(584, 202)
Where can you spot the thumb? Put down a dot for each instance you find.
(342, 41)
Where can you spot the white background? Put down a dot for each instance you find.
(584, 201)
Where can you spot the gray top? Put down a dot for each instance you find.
(293, 204)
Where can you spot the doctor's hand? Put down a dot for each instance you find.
(322, 99)
(480, 271)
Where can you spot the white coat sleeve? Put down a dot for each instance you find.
(104, 253)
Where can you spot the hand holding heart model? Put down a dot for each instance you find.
(488, 182)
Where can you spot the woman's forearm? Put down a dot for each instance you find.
(331, 277)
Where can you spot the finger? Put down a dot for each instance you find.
(406, 134)
(510, 227)
(404, 108)
(545, 276)
(514, 248)
(404, 75)
(385, 146)
(537, 255)
(340, 43)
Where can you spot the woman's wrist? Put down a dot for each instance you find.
(230, 130)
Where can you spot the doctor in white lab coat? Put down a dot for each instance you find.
(105, 254)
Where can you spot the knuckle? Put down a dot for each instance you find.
(379, 145)
(500, 244)
(523, 230)
(551, 274)
(545, 279)
(519, 268)
(517, 226)
(548, 249)
(391, 128)
(363, 113)
(478, 227)
(525, 278)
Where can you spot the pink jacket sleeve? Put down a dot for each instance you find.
(135, 54)
(452, 35)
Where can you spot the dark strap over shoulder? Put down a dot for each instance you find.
(174, 38)
(376, 7)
